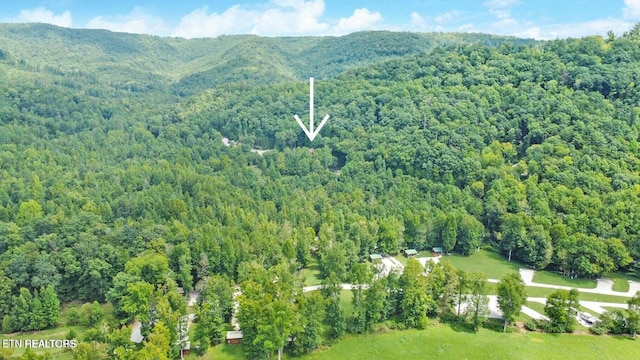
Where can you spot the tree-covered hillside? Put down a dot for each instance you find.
(143, 63)
(115, 184)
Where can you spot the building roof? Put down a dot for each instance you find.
(375, 256)
(234, 334)
(438, 250)
(411, 252)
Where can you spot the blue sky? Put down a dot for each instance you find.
(540, 19)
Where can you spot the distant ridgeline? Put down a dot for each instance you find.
(188, 66)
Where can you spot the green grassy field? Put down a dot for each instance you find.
(311, 274)
(534, 305)
(346, 300)
(621, 281)
(402, 259)
(490, 263)
(59, 333)
(221, 352)
(547, 277)
(447, 343)
(534, 291)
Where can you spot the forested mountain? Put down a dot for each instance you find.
(114, 181)
(143, 63)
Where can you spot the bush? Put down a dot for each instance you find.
(600, 328)
(531, 325)
(493, 324)
(74, 317)
(7, 324)
(399, 325)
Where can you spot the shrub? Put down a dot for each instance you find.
(8, 324)
(531, 325)
(600, 328)
(74, 317)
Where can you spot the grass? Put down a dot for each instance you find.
(311, 274)
(534, 291)
(402, 259)
(547, 277)
(448, 343)
(59, 333)
(346, 300)
(603, 298)
(221, 352)
(492, 264)
(536, 306)
(621, 281)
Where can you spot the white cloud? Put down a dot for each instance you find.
(448, 16)
(531, 33)
(137, 22)
(497, 4)
(279, 17)
(42, 15)
(576, 30)
(447, 21)
(631, 9)
(467, 28)
(417, 19)
(362, 19)
(291, 17)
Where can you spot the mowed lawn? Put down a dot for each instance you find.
(492, 264)
(621, 280)
(443, 342)
(547, 277)
(311, 274)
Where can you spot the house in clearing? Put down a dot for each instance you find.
(186, 349)
(437, 251)
(234, 337)
(374, 257)
(410, 252)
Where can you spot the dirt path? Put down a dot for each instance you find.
(233, 143)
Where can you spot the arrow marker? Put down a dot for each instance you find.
(311, 132)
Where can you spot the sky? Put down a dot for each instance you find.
(538, 19)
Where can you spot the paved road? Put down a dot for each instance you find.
(604, 286)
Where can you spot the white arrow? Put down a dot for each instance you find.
(311, 132)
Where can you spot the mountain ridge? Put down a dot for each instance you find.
(187, 66)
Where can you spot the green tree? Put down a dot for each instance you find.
(334, 314)
(157, 346)
(442, 282)
(208, 329)
(559, 311)
(22, 311)
(511, 297)
(477, 300)
(308, 336)
(415, 300)
(461, 288)
(376, 302)
(50, 306)
(469, 232)
(450, 232)
(633, 317)
(361, 277)
(138, 301)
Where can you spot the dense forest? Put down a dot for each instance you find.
(115, 185)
